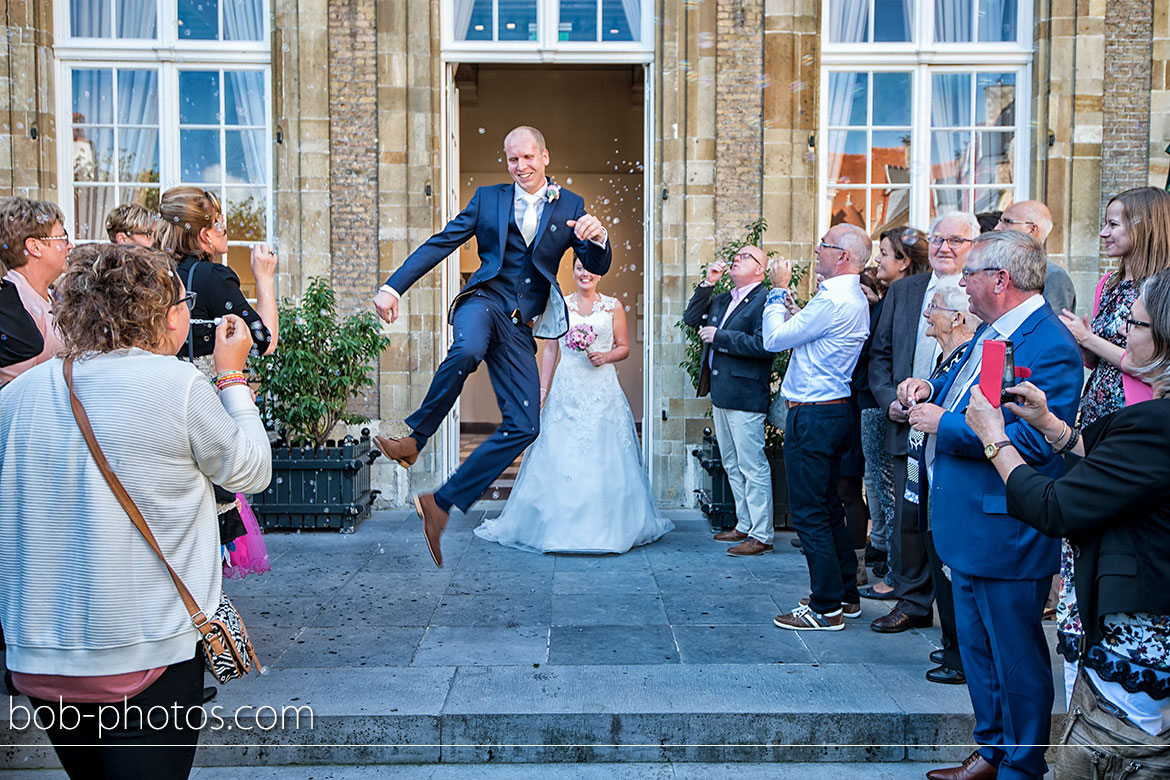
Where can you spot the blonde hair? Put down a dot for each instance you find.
(1146, 211)
(129, 218)
(114, 296)
(183, 213)
(21, 218)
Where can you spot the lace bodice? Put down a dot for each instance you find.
(601, 318)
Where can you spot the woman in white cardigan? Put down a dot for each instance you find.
(91, 616)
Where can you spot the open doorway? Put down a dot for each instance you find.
(592, 118)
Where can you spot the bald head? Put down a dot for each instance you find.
(856, 242)
(1027, 216)
(526, 132)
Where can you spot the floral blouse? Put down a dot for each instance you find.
(1103, 392)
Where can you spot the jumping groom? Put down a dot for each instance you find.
(522, 231)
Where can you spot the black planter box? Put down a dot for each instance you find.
(318, 487)
(715, 499)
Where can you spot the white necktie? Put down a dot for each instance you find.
(528, 225)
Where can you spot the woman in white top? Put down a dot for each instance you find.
(91, 615)
(582, 486)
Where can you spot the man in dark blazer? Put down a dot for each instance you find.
(1000, 567)
(901, 349)
(522, 231)
(736, 370)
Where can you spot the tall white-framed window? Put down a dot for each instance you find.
(160, 93)
(925, 108)
(547, 30)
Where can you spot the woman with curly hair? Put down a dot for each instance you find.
(91, 615)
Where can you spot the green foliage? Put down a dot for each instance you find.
(753, 236)
(320, 362)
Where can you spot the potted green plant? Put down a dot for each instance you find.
(715, 501)
(305, 388)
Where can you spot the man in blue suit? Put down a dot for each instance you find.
(1000, 568)
(522, 231)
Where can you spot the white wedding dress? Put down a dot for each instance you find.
(582, 486)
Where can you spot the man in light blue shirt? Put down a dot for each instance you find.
(825, 337)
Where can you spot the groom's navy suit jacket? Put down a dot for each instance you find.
(490, 218)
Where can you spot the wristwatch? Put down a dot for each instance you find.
(991, 450)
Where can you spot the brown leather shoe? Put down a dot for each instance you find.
(434, 520)
(898, 621)
(974, 768)
(403, 451)
(749, 548)
(731, 536)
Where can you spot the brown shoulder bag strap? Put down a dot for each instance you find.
(128, 503)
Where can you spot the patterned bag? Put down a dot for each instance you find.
(228, 653)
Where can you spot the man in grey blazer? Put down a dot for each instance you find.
(1034, 218)
(901, 349)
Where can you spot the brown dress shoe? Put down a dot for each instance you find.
(434, 520)
(974, 768)
(731, 536)
(898, 621)
(749, 548)
(403, 451)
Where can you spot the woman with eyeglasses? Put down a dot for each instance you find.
(1113, 505)
(92, 617)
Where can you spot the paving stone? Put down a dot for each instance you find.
(483, 583)
(482, 645)
(754, 644)
(602, 582)
(616, 609)
(630, 644)
(508, 611)
(712, 609)
(354, 608)
(614, 565)
(352, 646)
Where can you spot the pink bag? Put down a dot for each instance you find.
(247, 554)
(1135, 389)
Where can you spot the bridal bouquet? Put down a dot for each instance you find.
(580, 337)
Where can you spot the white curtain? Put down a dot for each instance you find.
(952, 20)
(247, 90)
(633, 9)
(89, 18)
(949, 107)
(138, 147)
(243, 20)
(136, 18)
(849, 21)
(841, 89)
(463, 11)
(998, 20)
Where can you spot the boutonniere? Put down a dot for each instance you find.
(552, 192)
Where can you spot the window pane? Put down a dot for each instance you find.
(951, 101)
(849, 21)
(950, 162)
(89, 18)
(848, 206)
(138, 97)
(93, 154)
(247, 156)
(473, 20)
(199, 97)
(90, 206)
(199, 19)
(993, 164)
(890, 156)
(517, 20)
(992, 200)
(199, 153)
(892, 21)
(944, 200)
(247, 215)
(244, 98)
(891, 208)
(243, 20)
(138, 156)
(952, 20)
(137, 18)
(997, 20)
(995, 99)
(239, 259)
(847, 156)
(92, 96)
(143, 196)
(621, 20)
(578, 20)
(847, 98)
(891, 99)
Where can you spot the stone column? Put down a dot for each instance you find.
(28, 134)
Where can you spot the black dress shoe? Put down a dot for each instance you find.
(874, 555)
(945, 675)
(209, 693)
(880, 569)
(898, 621)
(936, 657)
(795, 541)
(870, 593)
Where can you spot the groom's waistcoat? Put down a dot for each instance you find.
(518, 285)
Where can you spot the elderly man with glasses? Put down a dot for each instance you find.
(826, 338)
(1034, 218)
(736, 370)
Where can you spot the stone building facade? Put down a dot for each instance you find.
(362, 125)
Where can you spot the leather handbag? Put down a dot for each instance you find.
(227, 650)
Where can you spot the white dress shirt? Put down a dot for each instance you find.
(826, 337)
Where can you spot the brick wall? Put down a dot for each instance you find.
(353, 151)
(739, 84)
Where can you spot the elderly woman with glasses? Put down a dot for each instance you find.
(1113, 505)
(91, 614)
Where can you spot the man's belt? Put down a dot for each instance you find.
(816, 403)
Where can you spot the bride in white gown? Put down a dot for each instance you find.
(582, 486)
